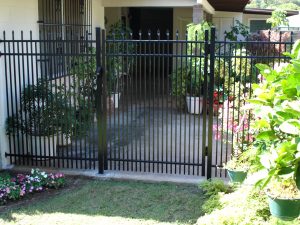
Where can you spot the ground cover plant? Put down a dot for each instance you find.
(245, 205)
(16, 187)
(89, 201)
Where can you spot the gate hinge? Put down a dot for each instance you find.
(207, 50)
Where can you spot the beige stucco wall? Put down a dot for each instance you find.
(19, 15)
(15, 15)
(97, 15)
(113, 15)
(223, 21)
(181, 18)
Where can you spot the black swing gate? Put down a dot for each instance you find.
(145, 104)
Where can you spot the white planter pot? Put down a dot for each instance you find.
(115, 99)
(63, 140)
(43, 146)
(194, 104)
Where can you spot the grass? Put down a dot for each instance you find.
(112, 202)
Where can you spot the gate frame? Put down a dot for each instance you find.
(101, 108)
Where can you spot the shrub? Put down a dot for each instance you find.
(245, 206)
(239, 207)
(213, 189)
(214, 186)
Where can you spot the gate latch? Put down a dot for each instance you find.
(99, 71)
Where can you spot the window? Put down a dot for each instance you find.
(257, 25)
(63, 20)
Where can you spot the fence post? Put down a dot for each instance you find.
(205, 81)
(101, 100)
(211, 101)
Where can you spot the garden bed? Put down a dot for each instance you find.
(14, 187)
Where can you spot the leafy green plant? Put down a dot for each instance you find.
(246, 206)
(80, 97)
(118, 63)
(237, 30)
(212, 189)
(276, 105)
(41, 110)
(278, 18)
(188, 78)
(214, 186)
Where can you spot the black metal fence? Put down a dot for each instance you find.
(51, 101)
(162, 106)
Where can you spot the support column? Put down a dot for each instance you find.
(198, 14)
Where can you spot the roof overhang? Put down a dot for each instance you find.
(229, 5)
(206, 6)
(148, 3)
(268, 11)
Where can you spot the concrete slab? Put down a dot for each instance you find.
(121, 175)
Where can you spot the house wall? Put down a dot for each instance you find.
(112, 15)
(223, 21)
(15, 15)
(97, 15)
(181, 18)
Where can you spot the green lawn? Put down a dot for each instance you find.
(111, 202)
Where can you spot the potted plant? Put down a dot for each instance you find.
(276, 105)
(237, 168)
(234, 126)
(78, 105)
(118, 63)
(66, 112)
(37, 119)
(187, 80)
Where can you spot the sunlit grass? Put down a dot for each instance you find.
(113, 202)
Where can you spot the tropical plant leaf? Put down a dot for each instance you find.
(266, 135)
(296, 50)
(290, 127)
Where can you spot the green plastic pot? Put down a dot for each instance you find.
(237, 176)
(284, 209)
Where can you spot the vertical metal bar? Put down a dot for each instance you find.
(150, 96)
(104, 99)
(7, 92)
(34, 55)
(153, 106)
(188, 67)
(158, 98)
(199, 156)
(99, 102)
(140, 99)
(164, 106)
(167, 100)
(176, 105)
(210, 99)
(24, 57)
(206, 54)
(145, 103)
